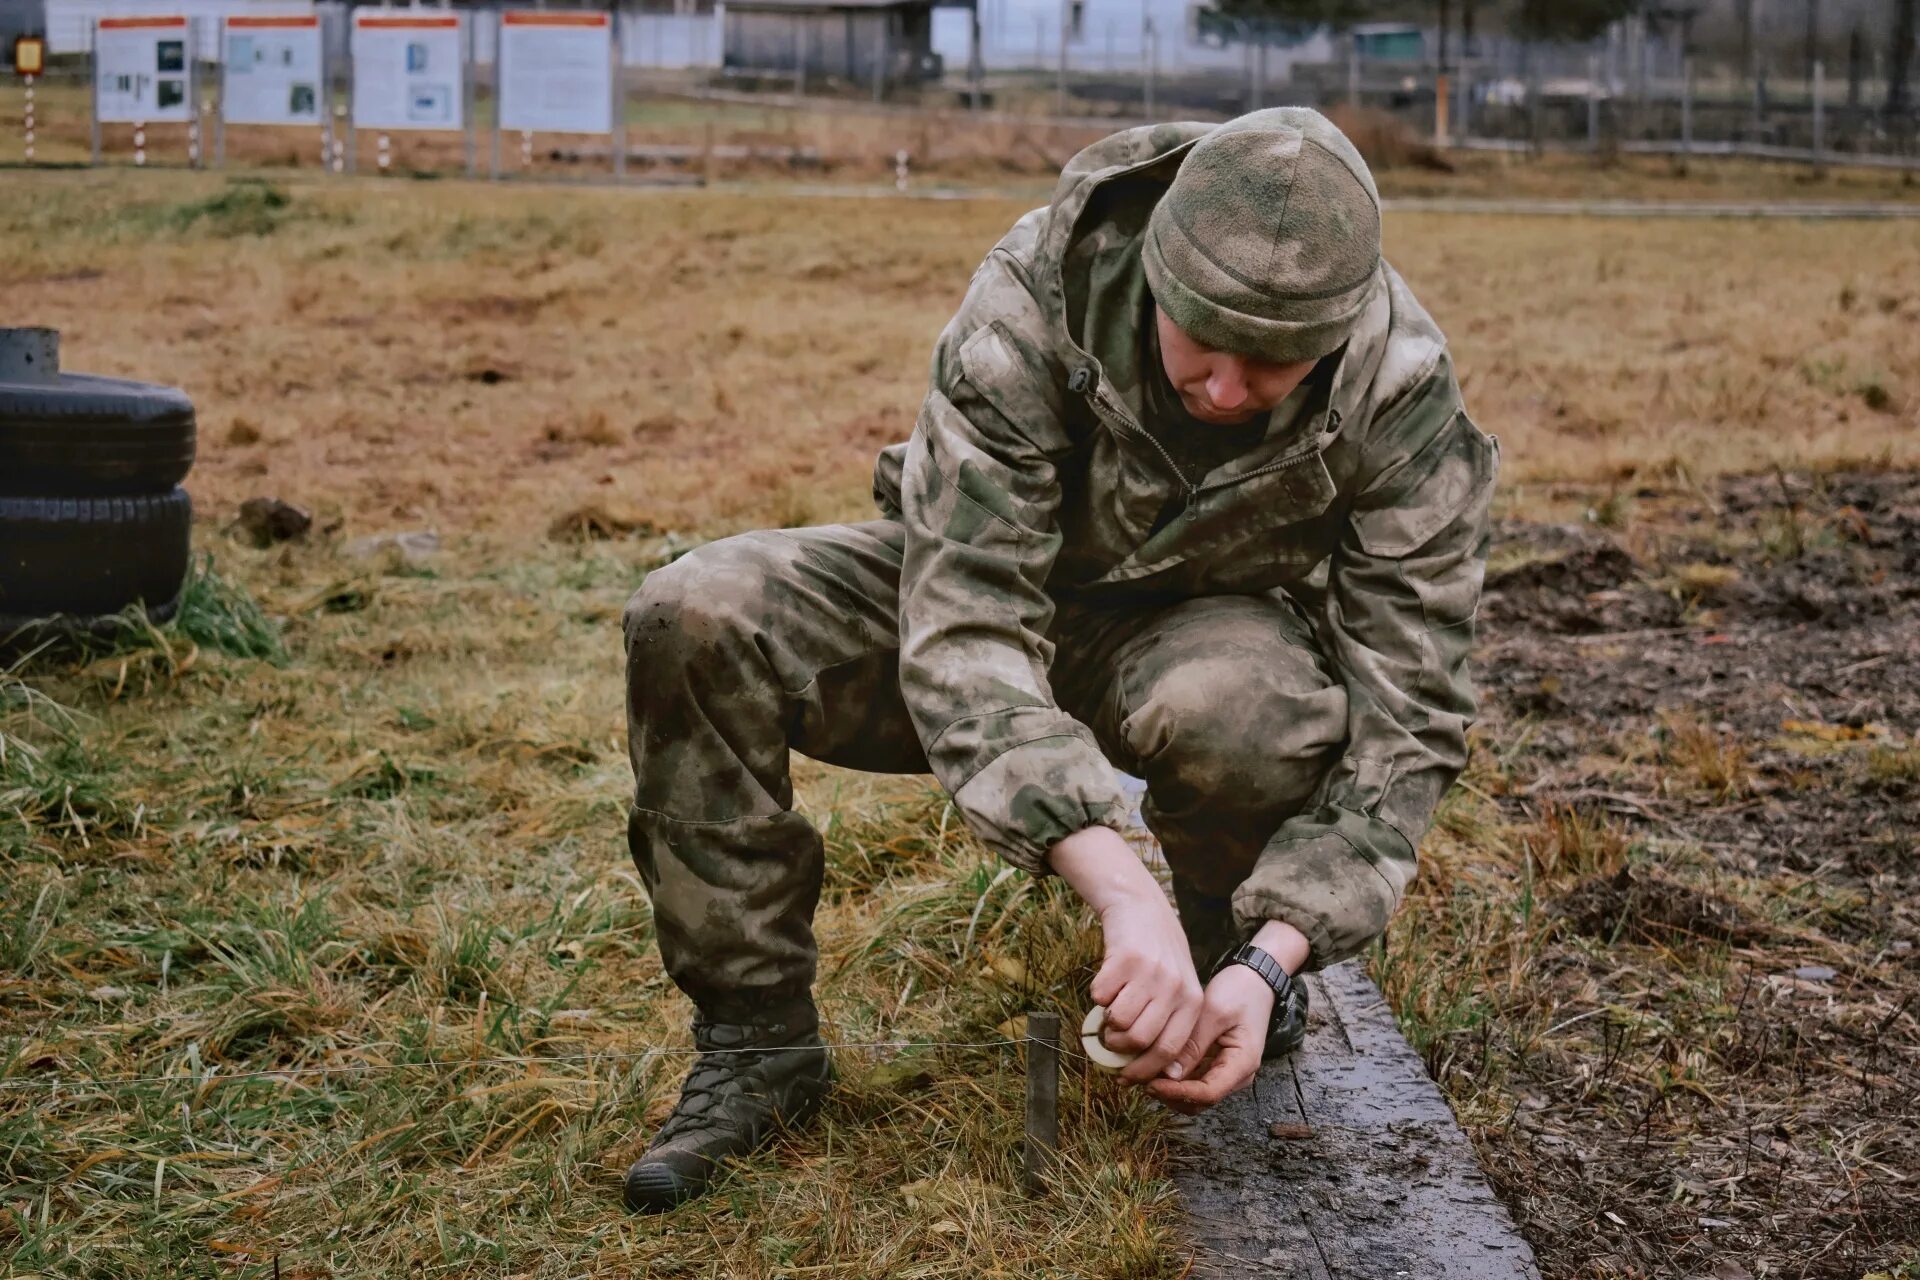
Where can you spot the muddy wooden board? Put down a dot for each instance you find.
(1343, 1162)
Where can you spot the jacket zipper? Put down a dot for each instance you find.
(1190, 491)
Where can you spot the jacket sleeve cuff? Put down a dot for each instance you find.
(1336, 875)
(1037, 793)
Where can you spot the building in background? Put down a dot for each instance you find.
(888, 42)
(1120, 36)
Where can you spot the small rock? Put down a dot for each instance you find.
(1814, 973)
(1902, 948)
(266, 521)
(108, 993)
(415, 546)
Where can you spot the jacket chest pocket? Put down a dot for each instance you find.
(1265, 528)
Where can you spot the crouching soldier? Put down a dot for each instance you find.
(1192, 492)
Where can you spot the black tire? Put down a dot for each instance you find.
(18, 633)
(84, 557)
(90, 437)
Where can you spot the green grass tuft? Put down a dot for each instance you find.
(218, 613)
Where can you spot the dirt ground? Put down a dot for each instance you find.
(1660, 956)
(1713, 712)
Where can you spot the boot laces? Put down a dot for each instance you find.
(717, 1070)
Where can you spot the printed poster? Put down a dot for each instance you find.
(556, 72)
(271, 71)
(141, 69)
(408, 71)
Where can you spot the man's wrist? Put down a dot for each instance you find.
(1284, 943)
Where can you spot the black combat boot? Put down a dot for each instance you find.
(733, 1101)
(1212, 936)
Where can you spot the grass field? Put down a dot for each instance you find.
(379, 828)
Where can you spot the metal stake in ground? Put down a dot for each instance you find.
(1043, 1098)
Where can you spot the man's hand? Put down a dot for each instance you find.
(1232, 1027)
(1147, 981)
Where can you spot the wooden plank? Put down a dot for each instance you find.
(1370, 1176)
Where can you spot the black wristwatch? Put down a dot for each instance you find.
(1267, 967)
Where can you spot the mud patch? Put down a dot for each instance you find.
(1641, 906)
(1733, 683)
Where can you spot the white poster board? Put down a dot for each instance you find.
(143, 71)
(271, 71)
(409, 71)
(556, 71)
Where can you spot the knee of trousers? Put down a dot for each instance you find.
(705, 600)
(1222, 740)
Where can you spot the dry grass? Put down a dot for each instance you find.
(489, 360)
(396, 855)
(399, 845)
(850, 140)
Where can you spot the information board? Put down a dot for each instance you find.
(556, 71)
(142, 71)
(408, 71)
(271, 71)
(29, 55)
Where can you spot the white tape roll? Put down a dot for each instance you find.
(1095, 1048)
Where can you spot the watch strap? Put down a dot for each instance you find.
(1270, 970)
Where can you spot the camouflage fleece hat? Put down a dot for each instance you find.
(1268, 241)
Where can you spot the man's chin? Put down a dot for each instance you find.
(1218, 418)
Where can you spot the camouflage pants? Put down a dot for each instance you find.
(785, 640)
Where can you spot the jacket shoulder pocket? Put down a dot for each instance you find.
(1434, 489)
(1019, 389)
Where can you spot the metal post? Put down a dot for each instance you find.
(1353, 71)
(93, 98)
(353, 79)
(616, 31)
(1593, 103)
(976, 68)
(499, 82)
(325, 104)
(196, 153)
(1463, 114)
(1043, 1098)
(220, 116)
(1060, 87)
(884, 57)
(29, 120)
(1151, 38)
(1246, 67)
(1819, 110)
(466, 92)
(1686, 105)
(1536, 123)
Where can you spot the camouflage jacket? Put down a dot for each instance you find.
(1029, 483)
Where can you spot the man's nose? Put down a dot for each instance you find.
(1227, 388)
